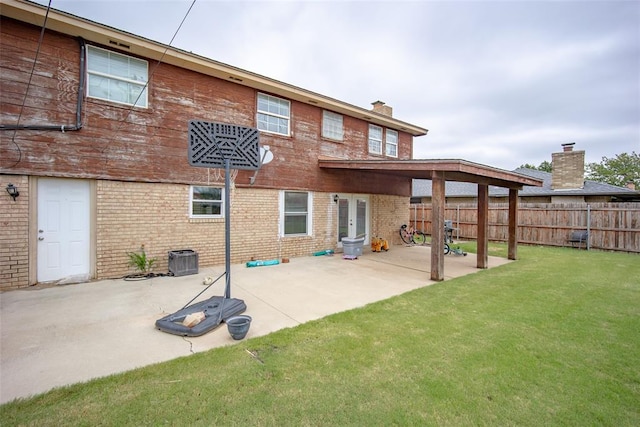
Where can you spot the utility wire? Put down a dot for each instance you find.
(155, 68)
(24, 100)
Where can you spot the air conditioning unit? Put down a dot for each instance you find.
(183, 262)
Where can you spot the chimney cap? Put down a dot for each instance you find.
(566, 144)
(377, 103)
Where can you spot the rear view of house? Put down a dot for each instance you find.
(93, 132)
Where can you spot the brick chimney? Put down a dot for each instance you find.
(567, 168)
(631, 186)
(380, 108)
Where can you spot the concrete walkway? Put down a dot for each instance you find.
(67, 334)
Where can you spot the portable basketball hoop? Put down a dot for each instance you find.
(219, 146)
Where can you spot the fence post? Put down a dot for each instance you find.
(588, 227)
(457, 222)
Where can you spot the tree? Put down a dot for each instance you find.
(544, 166)
(619, 170)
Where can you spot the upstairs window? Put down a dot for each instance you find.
(206, 202)
(273, 114)
(375, 139)
(391, 143)
(332, 125)
(116, 77)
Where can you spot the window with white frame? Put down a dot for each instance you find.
(206, 202)
(274, 114)
(116, 77)
(391, 143)
(296, 213)
(375, 139)
(332, 125)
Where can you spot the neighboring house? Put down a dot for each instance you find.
(566, 184)
(94, 130)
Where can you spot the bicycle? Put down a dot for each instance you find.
(409, 235)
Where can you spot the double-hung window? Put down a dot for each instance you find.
(296, 213)
(274, 114)
(332, 125)
(206, 202)
(391, 143)
(116, 77)
(375, 139)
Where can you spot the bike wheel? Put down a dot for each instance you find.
(419, 238)
(404, 235)
(447, 249)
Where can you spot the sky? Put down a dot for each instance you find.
(502, 83)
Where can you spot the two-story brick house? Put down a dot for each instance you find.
(93, 133)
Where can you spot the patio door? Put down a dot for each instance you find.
(63, 250)
(353, 216)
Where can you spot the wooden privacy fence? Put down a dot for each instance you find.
(611, 226)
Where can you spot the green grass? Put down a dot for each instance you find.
(552, 339)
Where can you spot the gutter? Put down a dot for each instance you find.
(62, 128)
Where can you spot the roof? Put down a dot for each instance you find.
(454, 170)
(422, 188)
(123, 41)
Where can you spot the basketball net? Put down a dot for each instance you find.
(216, 176)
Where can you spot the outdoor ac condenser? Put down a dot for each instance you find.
(183, 262)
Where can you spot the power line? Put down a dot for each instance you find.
(155, 68)
(26, 92)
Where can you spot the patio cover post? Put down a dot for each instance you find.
(437, 226)
(512, 244)
(483, 225)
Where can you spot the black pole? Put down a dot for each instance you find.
(227, 229)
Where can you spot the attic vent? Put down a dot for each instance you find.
(115, 43)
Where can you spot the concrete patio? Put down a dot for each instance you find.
(62, 335)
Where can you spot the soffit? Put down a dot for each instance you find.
(454, 170)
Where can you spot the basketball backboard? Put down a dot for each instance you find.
(211, 143)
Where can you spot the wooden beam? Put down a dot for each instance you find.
(483, 226)
(512, 243)
(437, 226)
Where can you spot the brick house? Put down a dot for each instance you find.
(93, 132)
(119, 174)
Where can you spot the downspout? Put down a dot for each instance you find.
(62, 128)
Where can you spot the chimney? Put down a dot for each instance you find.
(631, 186)
(567, 168)
(380, 108)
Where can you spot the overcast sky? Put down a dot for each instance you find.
(501, 83)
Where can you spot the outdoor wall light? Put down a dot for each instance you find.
(336, 198)
(13, 191)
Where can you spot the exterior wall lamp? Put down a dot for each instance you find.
(13, 191)
(336, 198)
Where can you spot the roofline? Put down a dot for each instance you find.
(454, 170)
(66, 23)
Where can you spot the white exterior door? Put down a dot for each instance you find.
(64, 229)
(353, 217)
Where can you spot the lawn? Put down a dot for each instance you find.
(552, 339)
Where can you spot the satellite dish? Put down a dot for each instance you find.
(265, 155)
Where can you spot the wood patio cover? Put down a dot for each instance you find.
(440, 171)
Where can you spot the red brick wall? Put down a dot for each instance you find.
(150, 145)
